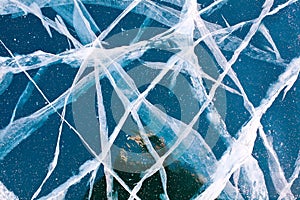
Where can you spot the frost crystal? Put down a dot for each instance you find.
(114, 95)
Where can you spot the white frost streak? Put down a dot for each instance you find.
(237, 161)
(5, 194)
(263, 29)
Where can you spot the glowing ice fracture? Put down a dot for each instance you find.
(186, 30)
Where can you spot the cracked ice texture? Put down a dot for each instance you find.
(237, 172)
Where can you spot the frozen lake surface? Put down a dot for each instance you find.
(137, 98)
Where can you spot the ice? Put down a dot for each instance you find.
(5, 194)
(251, 164)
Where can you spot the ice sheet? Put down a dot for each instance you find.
(234, 174)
